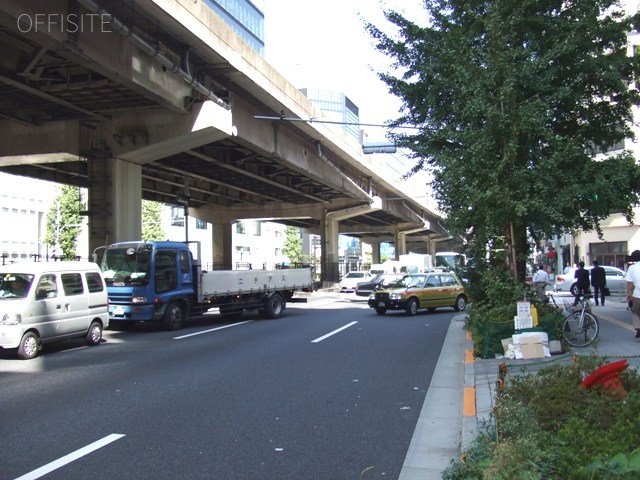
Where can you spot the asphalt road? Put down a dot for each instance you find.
(329, 391)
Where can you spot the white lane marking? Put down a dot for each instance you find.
(61, 462)
(319, 339)
(210, 330)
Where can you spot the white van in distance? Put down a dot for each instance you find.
(48, 301)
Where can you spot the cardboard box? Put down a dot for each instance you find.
(532, 350)
(531, 345)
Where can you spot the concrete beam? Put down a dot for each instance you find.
(354, 211)
(62, 139)
(268, 212)
(295, 151)
(207, 124)
(98, 45)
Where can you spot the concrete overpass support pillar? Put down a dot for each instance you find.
(115, 201)
(401, 243)
(375, 252)
(222, 245)
(330, 254)
(330, 231)
(401, 236)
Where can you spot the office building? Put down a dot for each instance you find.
(244, 17)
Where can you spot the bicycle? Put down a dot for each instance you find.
(581, 327)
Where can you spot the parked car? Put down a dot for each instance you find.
(43, 302)
(385, 280)
(616, 280)
(416, 291)
(350, 280)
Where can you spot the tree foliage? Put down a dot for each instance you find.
(151, 221)
(293, 245)
(513, 100)
(64, 222)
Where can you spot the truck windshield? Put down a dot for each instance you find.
(125, 266)
(451, 261)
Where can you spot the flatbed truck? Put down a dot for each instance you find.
(153, 281)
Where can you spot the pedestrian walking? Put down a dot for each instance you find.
(582, 282)
(599, 282)
(633, 290)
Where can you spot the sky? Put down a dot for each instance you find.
(324, 44)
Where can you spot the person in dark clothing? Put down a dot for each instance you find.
(582, 282)
(599, 282)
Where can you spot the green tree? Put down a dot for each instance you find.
(293, 245)
(64, 222)
(151, 221)
(513, 100)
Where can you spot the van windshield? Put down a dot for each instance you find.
(15, 285)
(125, 266)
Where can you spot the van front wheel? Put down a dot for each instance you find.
(174, 316)
(94, 334)
(29, 346)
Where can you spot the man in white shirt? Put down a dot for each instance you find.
(540, 280)
(633, 290)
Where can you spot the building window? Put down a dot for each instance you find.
(609, 253)
(257, 228)
(244, 18)
(240, 228)
(201, 224)
(177, 216)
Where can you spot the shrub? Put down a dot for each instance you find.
(495, 304)
(548, 426)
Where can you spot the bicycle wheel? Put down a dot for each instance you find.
(577, 335)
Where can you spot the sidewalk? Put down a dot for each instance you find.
(461, 395)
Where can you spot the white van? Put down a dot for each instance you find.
(49, 301)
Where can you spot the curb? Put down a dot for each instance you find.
(469, 396)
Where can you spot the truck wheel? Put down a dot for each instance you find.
(29, 346)
(381, 310)
(174, 316)
(273, 306)
(94, 334)
(412, 307)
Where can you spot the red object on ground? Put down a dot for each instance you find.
(609, 376)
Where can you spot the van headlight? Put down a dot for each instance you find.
(11, 319)
(372, 296)
(395, 296)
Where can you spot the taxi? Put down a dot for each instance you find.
(421, 291)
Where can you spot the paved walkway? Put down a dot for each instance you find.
(460, 398)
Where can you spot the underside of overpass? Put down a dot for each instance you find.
(73, 103)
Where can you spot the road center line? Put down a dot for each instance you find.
(210, 330)
(61, 462)
(319, 339)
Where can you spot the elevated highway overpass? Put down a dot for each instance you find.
(161, 100)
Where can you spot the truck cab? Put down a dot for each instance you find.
(149, 281)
